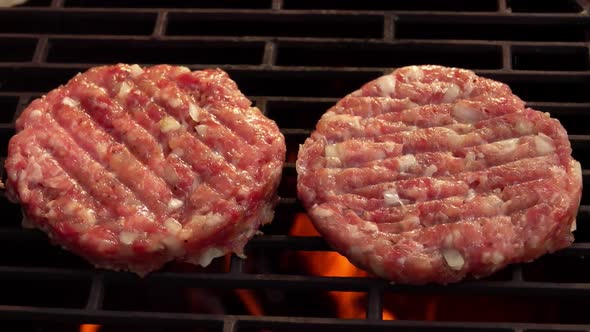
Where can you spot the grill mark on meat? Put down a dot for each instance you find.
(482, 179)
(407, 217)
(130, 171)
(418, 83)
(150, 125)
(88, 172)
(32, 147)
(227, 117)
(221, 209)
(235, 174)
(219, 137)
(536, 167)
(440, 159)
(452, 214)
(357, 106)
(116, 138)
(354, 178)
(155, 162)
(453, 209)
(394, 213)
(412, 119)
(166, 139)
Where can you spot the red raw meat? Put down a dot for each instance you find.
(133, 167)
(431, 174)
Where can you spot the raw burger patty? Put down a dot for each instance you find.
(431, 174)
(132, 168)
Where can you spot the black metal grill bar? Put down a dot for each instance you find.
(96, 294)
(300, 282)
(277, 322)
(300, 243)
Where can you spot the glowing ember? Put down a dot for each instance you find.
(332, 264)
(250, 302)
(89, 328)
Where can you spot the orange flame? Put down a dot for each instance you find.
(247, 296)
(250, 302)
(89, 328)
(348, 304)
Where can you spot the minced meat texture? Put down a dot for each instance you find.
(133, 167)
(431, 174)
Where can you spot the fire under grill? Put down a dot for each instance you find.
(295, 58)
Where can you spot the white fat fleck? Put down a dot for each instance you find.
(352, 120)
(370, 227)
(333, 151)
(136, 70)
(524, 127)
(497, 257)
(391, 198)
(386, 85)
(414, 73)
(206, 257)
(467, 114)
(70, 102)
(193, 111)
(174, 204)
(201, 130)
(70, 207)
(213, 219)
(124, 89)
(470, 157)
(543, 144)
(177, 152)
(577, 170)
(508, 146)
(243, 191)
(451, 94)
(128, 237)
(573, 226)
(430, 170)
(168, 124)
(11, 3)
(406, 162)
(88, 216)
(492, 205)
(35, 114)
(322, 213)
(101, 148)
(172, 225)
(402, 260)
(210, 220)
(34, 172)
(455, 140)
(453, 258)
(411, 221)
(390, 146)
(175, 102)
(184, 69)
(470, 194)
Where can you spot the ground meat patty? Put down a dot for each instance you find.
(133, 167)
(431, 174)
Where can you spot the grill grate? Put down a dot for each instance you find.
(294, 58)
